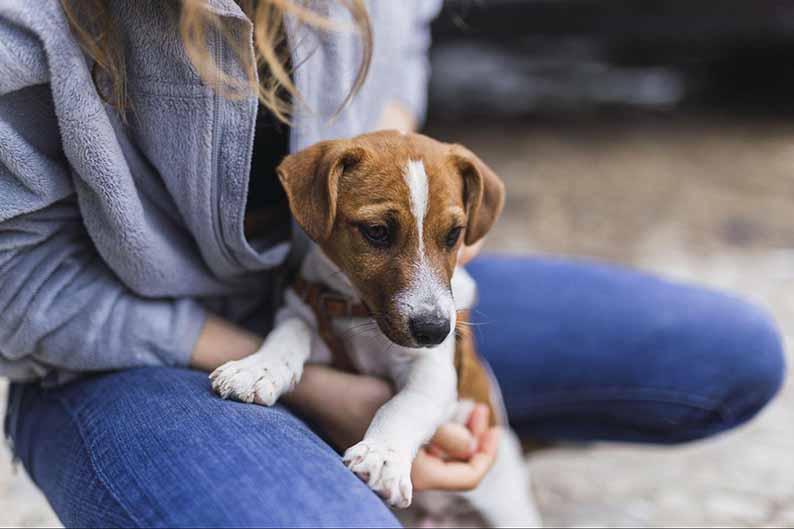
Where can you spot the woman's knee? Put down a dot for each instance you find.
(756, 365)
(738, 359)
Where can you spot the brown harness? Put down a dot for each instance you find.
(474, 382)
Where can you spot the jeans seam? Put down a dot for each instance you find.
(101, 478)
(617, 393)
(750, 396)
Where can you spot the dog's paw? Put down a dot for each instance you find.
(386, 471)
(256, 379)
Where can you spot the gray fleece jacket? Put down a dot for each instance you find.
(115, 240)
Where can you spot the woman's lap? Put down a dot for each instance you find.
(595, 352)
(582, 351)
(155, 447)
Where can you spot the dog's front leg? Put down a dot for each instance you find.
(271, 371)
(401, 426)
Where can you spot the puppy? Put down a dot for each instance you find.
(388, 212)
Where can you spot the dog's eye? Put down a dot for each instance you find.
(453, 236)
(377, 235)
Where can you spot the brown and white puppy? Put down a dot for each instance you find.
(388, 212)
(391, 210)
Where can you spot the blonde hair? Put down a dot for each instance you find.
(96, 30)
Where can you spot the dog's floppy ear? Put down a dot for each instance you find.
(311, 177)
(484, 193)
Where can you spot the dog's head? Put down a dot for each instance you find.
(391, 211)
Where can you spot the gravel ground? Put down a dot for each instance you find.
(704, 200)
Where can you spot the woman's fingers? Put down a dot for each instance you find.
(478, 420)
(467, 253)
(430, 472)
(484, 459)
(453, 440)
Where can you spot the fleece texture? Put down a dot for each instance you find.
(116, 239)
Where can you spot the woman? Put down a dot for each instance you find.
(128, 239)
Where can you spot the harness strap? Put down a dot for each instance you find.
(327, 305)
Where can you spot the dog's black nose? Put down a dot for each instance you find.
(429, 330)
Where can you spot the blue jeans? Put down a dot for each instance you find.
(582, 352)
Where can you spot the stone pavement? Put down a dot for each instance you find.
(708, 201)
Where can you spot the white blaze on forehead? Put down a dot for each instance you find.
(425, 292)
(416, 178)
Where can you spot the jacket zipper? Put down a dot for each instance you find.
(216, 140)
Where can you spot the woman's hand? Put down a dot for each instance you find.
(343, 405)
(458, 457)
(396, 116)
(467, 253)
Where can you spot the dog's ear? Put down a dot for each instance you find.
(311, 177)
(483, 192)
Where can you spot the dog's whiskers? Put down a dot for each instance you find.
(470, 324)
(358, 330)
(367, 325)
(363, 332)
(389, 345)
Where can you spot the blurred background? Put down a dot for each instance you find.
(659, 135)
(656, 134)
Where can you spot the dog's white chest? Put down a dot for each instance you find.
(369, 349)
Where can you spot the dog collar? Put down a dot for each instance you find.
(328, 301)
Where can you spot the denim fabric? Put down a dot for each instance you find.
(582, 351)
(154, 447)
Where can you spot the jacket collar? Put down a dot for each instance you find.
(226, 8)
